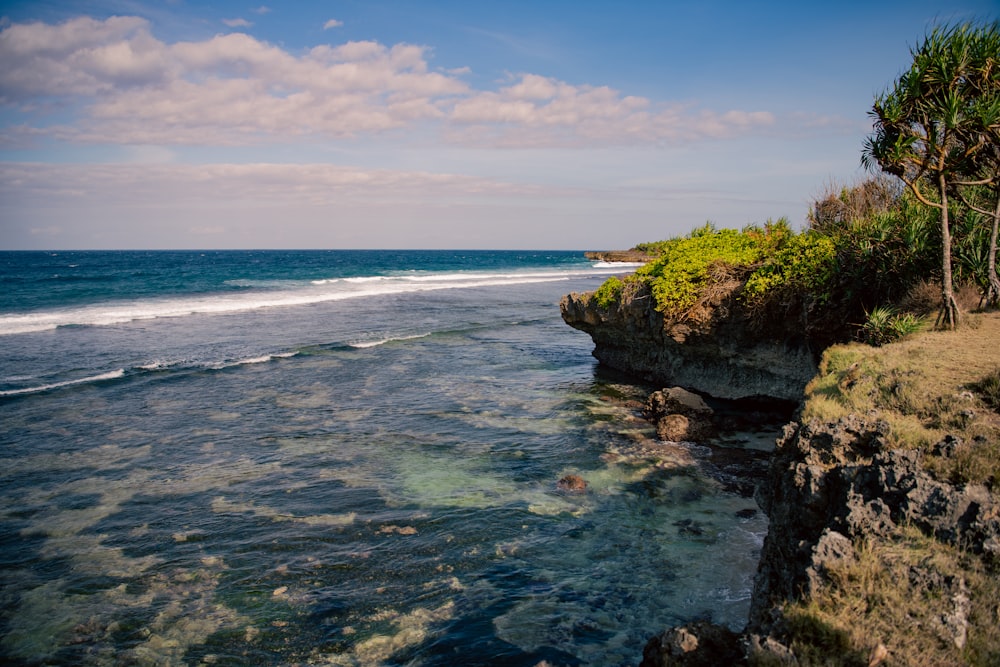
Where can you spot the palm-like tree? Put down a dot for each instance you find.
(928, 127)
(991, 158)
(984, 81)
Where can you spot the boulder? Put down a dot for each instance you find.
(699, 644)
(572, 483)
(680, 415)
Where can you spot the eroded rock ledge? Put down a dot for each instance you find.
(618, 256)
(831, 486)
(720, 355)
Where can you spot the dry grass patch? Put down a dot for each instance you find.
(926, 386)
(911, 594)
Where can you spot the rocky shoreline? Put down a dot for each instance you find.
(838, 493)
(626, 256)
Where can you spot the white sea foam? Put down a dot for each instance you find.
(617, 265)
(319, 291)
(382, 341)
(111, 375)
(249, 361)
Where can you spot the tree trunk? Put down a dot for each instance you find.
(992, 298)
(948, 317)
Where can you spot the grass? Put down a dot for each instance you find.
(896, 593)
(926, 386)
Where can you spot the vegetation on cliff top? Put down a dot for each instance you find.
(930, 385)
(896, 593)
(936, 130)
(866, 246)
(863, 269)
(767, 258)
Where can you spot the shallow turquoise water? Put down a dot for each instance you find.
(361, 481)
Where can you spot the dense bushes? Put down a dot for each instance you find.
(771, 260)
(864, 249)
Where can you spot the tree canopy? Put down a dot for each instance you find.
(937, 127)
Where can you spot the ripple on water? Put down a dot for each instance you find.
(357, 507)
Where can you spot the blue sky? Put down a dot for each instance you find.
(435, 124)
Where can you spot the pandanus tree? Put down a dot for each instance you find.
(929, 128)
(979, 188)
(985, 200)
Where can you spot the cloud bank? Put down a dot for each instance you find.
(125, 86)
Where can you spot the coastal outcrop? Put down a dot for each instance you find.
(883, 544)
(628, 256)
(837, 495)
(835, 485)
(719, 354)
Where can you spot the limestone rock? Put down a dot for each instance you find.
(830, 484)
(700, 644)
(618, 255)
(680, 415)
(831, 550)
(720, 354)
(677, 400)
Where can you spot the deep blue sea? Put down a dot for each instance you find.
(337, 458)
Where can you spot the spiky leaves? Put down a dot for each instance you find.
(932, 126)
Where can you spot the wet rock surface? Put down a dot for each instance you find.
(698, 644)
(572, 484)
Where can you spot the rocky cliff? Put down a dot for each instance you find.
(844, 492)
(878, 551)
(720, 354)
(883, 545)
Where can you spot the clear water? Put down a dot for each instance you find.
(343, 458)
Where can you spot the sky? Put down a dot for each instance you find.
(522, 124)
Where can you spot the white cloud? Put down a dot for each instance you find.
(332, 23)
(237, 23)
(263, 9)
(129, 87)
(82, 57)
(539, 111)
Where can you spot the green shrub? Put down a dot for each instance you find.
(683, 268)
(609, 292)
(885, 325)
(773, 257)
(805, 263)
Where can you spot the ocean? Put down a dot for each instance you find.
(338, 458)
